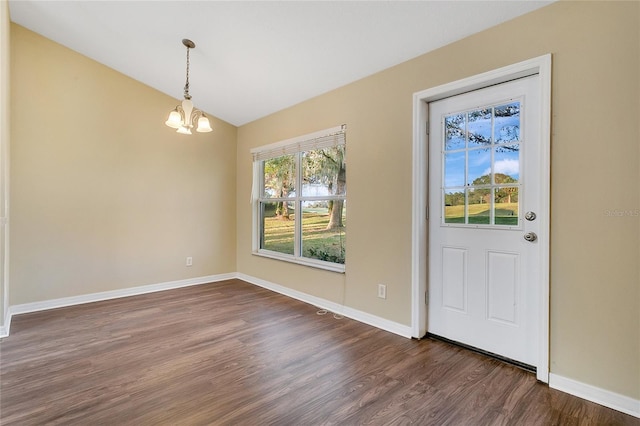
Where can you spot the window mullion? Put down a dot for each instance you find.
(466, 168)
(257, 194)
(492, 191)
(297, 246)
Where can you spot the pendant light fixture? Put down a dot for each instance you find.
(185, 117)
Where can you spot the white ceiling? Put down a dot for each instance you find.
(253, 58)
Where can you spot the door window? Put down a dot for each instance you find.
(481, 166)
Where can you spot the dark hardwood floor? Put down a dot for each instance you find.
(231, 353)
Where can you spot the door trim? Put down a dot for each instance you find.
(420, 186)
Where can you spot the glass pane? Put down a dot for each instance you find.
(507, 122)
(479, 206)
(506, 163)
(506, 206)
(324, 172)
(454, 169)
(279, 177)
(324, 230)
(479, 166)
(454, 206)
(479, 127)
(278, 226)
(454, 130)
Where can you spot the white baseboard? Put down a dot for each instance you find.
(105, 295)
(4, 329)
(600, 396)
(372, 320)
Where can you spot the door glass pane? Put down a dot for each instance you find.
(454, 206)
(278, 226)
(506, 209)
(324, 230)
(454, 130)
(479, 201)
(279, 177)
(324, 172)
(506, 163)
(479, 166)
(507, 122)
(479, 127)
(454, 169)
(482, 160)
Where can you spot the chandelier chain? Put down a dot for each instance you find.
(186, 85)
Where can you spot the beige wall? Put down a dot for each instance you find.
(4, 154)
(104, 196)
(595, 278)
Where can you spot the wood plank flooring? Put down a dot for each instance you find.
(231, 353)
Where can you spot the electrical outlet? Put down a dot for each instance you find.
(189, 261)
(382, 291)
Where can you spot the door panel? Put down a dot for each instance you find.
(483, 169)
(503, 286)
(454, 278)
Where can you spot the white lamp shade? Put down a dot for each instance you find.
(203, 125)
(175, 120)
(183, 130)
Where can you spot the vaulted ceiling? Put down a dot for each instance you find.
(253, 58)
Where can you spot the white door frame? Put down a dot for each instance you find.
(419, 273)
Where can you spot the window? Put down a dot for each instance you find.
(300, 206)
(481, 162)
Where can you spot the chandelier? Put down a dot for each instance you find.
(185, 117)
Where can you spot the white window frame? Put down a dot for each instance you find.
(334, 136)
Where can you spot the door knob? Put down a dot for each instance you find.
(530, 236)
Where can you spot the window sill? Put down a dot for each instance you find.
(319, 264)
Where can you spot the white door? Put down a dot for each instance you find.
(484, 263)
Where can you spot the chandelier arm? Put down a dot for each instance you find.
(192, 120)
(181, 112)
